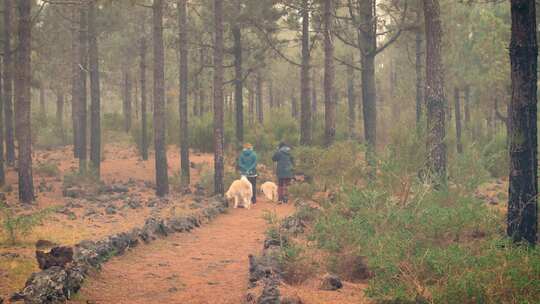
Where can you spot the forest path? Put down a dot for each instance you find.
(206, 266)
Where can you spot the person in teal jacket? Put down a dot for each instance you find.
(247, 163)
(284, 170)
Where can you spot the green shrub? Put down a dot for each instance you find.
(19, 225)
(49, 169)
(495, 156)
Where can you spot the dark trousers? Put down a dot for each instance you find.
(283, 189)
(253, 181)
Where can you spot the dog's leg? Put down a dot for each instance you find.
(236, 201)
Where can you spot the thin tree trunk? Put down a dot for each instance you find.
(329, 76)
(467, 102)
(259, 98)
(2, 169)
(127, 100)
(218, 98)
(83, 67)
(351, 98)
(368, 41)
(271, 93)
(162, 179)
(183, 110)
(294, 105)
(314, 99)
(238, 82)
(202, 95)
(42, 107)
(435, 99)
(75, 85)
(144, 123)
(60, 114)
(95, 91)
(251, 106)
(23, 78)
(419, 65)
(305, 121)
(457, 108)
(522, 130)
(8, 83)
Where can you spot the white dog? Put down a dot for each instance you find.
(241, 190)
(270, 191)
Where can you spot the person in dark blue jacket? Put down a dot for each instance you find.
(284, 170)
(247, 163)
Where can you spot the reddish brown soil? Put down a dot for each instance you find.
(207, 266)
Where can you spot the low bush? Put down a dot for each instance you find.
(16, 226)
(49, 169)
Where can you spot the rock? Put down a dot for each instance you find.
(2, 197)
(172, 290)
(134, 204)
(111, 209)
(10, 255)
(74, 192)
(493, 201)
(331, 282)
(43, 244)
(292, 300)
(90, 212)
(73, 204)
(270, 295)
(58, 256)
(115, 188)
(293, 225)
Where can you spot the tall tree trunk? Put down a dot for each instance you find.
(435, 99)
(419, 64)
(60, 114)
(467, 102)
(271, 93)
(144, 123)
(127, 99)
(329, 75)
(83, 67)
(42, 107)
(8, 83)
(351, 98)
(95, 91)
(457, 106)
(2, 169)
(202, 93)
(368, 40)
(238, 82)
(75, 85)
(218, 98)
(305, 121)
(522, 129)
(251, 106)
(183, 110)
(259, 98)
(314, 99)
(294, 105)
(160, 145)
(23, 78)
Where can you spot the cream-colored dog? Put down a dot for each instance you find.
(269, 190)
(241, 191)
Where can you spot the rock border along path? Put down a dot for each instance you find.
(57, 284)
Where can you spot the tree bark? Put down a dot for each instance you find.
(238, 82)
(218, 98)
(183, 110)
(368, 41)
(457, 108)
(259, 98)
(271, 93)
(467, 102)
(127, 99)
(329, 75)
(522, 217)
(305, 111)
(435, 99)
(251, 106)
(162, 178)
(75, 85)
(23, 78)
(2, 159)
(294, 105)
(144, 123)
(314, 99)
(95, 91)
(8, 83)
(419, 65)
(60, 114)
(351, 98)
(42, 107)
(83, 67)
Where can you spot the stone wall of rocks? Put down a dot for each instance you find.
(58, 284)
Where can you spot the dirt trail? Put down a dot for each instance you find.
(207, 266)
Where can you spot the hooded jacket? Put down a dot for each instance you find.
(284, 161)
(247, 163)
